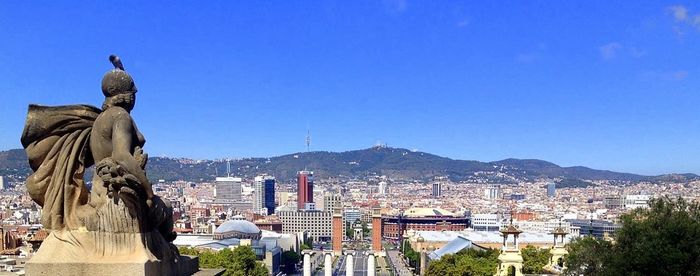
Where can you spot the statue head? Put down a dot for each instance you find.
(118, 87)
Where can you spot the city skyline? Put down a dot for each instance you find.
(610, 90)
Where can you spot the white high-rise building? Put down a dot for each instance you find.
(316, 223)
(492, 192)
(486, 222)
(383, 188)
(228, 189)
(259, 194)
(2, 182)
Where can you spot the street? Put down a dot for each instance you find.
(397, 261)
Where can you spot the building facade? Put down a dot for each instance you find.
(492, 192)
(331, 202)
(305, 190)
(486, 222)
(551, 190)
(228, 189)
(383, 188)
(422, 219)
(264, 195)
(437, 189)
(594, 227)
(316, 223)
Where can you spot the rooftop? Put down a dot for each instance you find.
(428, 212)
(240, 226)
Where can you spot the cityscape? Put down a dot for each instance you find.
(368, 138)
(349, 224)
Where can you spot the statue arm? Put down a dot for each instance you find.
(122, 146)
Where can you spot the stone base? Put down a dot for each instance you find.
(150, 268)
(187, 266)
(102, 253)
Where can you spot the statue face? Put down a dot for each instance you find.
(130, 101)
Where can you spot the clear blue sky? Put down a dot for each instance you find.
(605, 84)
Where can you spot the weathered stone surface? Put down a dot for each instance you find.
(117, 227)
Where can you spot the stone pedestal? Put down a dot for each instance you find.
(94, 253)
(187, 266)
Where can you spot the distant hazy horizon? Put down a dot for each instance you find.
(604, 85)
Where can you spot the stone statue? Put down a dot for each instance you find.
(119, 225)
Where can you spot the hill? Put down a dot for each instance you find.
(394, 162)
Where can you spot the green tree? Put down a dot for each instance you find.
(412, 256)
(289, 261)
(348, 230)
(663, 239)
(588, 256)
(466, 262)
(240, 261)
(365, 229)
(534, 259)
(307, 244)
(260, 270)
(244, 257)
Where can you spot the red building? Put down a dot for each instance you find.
(523, 216)
(422, 219)
(305, 189)
(269, 225)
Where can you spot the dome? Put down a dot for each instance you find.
(242, 226)
(241, 229)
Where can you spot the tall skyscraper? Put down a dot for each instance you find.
(264, 194)
(228, 189)
(383, 188)
(437, 189)
(492, 192)
(2, 183)
(551, 190)
(305, 190)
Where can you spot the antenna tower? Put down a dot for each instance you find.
(308, 140)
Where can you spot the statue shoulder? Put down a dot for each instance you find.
(116, 113)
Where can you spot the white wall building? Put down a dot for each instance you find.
(492, 192)
(228, 188)
(637, 201)
(486, 222)
(317, 223)
(383, 188)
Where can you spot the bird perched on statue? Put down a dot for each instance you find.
(116, 62)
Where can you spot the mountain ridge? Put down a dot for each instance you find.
(396, 163)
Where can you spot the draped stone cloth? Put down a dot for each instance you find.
(56, 141)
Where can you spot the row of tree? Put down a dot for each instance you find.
(241, 261)
(663, 239)
(485, 262)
